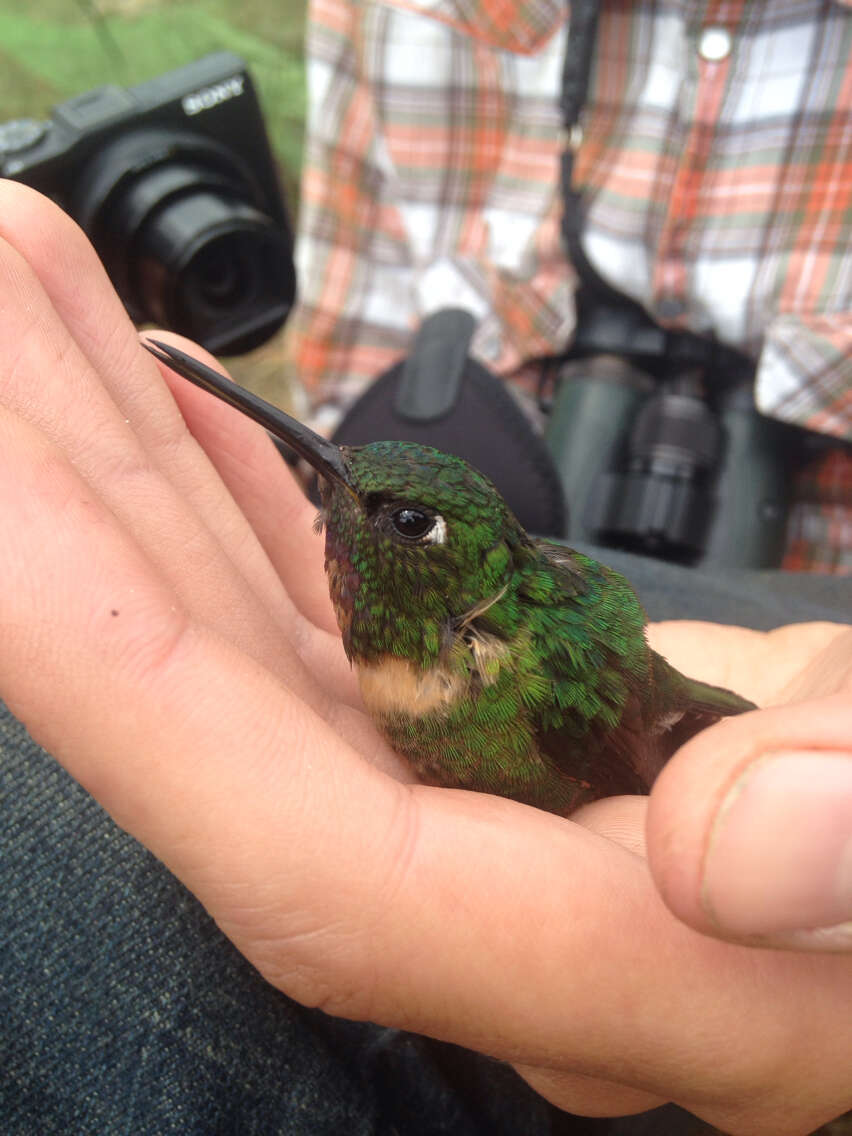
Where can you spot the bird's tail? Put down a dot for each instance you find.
(701, 703)
(703, 698)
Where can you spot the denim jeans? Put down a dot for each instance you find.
(125, 1010)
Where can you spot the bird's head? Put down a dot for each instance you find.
(416, 539)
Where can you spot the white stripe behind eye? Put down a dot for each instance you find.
(438, 532)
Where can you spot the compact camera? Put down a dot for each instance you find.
(174, 183)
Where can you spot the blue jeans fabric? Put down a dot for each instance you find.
(125, 1010)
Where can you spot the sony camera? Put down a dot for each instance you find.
(174, 183)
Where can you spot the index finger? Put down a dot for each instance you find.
(760, 665)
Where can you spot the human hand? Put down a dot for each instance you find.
(750, 825)
(167, 636)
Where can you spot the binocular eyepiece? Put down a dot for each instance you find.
(652, 466)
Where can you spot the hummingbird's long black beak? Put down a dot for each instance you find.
(323, 455)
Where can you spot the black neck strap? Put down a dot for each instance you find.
(609, 321)
(577, 65)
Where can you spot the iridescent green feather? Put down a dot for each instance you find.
(563, 699)
(493, 661)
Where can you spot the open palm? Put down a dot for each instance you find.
(167, 636)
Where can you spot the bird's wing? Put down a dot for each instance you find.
(603, 761)
(567, 563)
(591, 645)
(624, 709)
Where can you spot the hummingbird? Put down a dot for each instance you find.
(491, 660)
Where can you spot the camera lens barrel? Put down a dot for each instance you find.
(181, 228)
(174, 182)
(206, 262)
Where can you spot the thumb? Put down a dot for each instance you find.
(750, 828)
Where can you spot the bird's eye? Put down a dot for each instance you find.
(413, 524)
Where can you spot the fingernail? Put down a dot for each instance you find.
(779, 857)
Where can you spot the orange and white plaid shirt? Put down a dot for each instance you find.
(716, 165)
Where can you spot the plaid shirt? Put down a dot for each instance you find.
(716, 164)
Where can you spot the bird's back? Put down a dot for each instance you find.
(618, 710)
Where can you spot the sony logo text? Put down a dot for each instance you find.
(213, 96)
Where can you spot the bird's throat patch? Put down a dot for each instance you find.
(394, 686)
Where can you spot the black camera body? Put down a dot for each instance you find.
(174, 183)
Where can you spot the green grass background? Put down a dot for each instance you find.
(53, 49)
